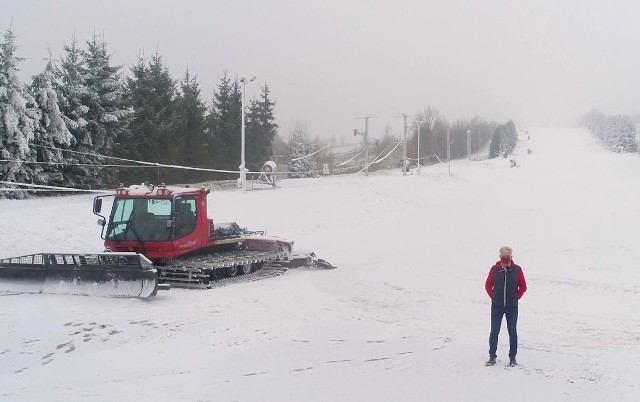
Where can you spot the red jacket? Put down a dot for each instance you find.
(522, 284)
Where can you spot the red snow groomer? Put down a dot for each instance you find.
(154, 237)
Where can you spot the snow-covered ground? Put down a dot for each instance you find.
(404, 317)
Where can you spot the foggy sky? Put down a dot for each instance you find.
(540, 63)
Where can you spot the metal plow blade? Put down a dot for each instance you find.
(102, 274)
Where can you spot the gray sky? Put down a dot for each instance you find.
(541, 63)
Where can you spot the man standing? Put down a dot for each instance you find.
(505, 285)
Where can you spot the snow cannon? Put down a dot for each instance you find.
(267, 175)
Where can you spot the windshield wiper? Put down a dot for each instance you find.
(131, 225)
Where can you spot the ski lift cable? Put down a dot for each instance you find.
(309, 155)
(35, 187)
(376, 160)
(385, 157)
(42, 190)
(350, 152)
(74, 164)
(350, 159)
(438, 158)
(153, 164)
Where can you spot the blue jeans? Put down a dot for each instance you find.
(511, 313)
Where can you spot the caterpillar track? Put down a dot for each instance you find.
(209, 270)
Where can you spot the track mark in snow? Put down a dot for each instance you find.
(27, 347)
(21, 370)
(68, 345)
(301, 340)
(339, 361)
(302, 369)
(46, 359)
(405, 353)
(376, 359)
(338, 340)
(4, 351)
(376, 341)
(253, 374)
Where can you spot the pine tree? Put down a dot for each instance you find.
(189, 126)
(149, 136)
(51, 132)
(617, 133)
(17, 122)
(628, 135)
(223, 124)
(300, 163)
(504, 140)
(106, 115)
(71, 89)
(261, 129)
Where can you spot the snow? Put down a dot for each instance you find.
(404, 317)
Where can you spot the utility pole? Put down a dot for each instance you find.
(404, 146)
(448, 150)
(419, 123)
(366, 141)
(468, 149)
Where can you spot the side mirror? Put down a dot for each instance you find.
(101, 222)
(97, 205)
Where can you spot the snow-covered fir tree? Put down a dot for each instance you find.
(151, 93)
(189, 126)
(504, 140)
(301, 163)
(261, 130)
(106, 114)
(51, 133)
(224, 124)
(17, 121)
(617, 133)
(71, 89)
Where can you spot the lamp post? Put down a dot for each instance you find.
(243, 168)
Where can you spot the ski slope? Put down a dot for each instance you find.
(404, 317)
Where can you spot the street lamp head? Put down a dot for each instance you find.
(241, 79)
(253, 78)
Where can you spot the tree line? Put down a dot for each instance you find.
(58, 130)
(83, 121)
(617, 132)
(465, 136)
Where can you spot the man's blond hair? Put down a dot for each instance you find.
(506, 251)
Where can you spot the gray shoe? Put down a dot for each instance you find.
(491, 361)
(512, 362)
